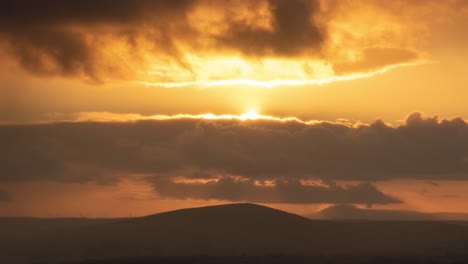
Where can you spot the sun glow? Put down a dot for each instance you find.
(271, 83)
(250, 115)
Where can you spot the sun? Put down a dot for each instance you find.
(250, 115)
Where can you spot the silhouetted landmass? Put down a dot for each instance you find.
(351, 212)
(237, 233)
(281, 260)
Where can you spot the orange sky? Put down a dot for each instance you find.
(347, 63)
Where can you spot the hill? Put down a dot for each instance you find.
(239, 230)
(351, 212)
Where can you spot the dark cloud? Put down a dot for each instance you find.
(64, 37)
(53, 37)
(4, 196)
(423, 148)
(284, 191)
(68, 51)
(293, 31)
(33, 14)
(259, 150)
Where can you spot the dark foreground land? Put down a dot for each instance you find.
(251, 233)
(281, 260)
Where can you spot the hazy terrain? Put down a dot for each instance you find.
(351, 212)
(237, 231)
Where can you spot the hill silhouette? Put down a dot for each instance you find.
(351, 212)
(238, 230)
(234, 229)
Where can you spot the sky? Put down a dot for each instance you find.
(125, 108)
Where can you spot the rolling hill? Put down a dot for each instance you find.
(237, 230)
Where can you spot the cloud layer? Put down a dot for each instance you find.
(167, 41)
(423, 148)
(206, 155)
(281, 191)
(56, 37)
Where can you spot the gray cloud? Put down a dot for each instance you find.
(29, 13)
(423, 149)
(284, 152)
(62, 37)
(57, 37)
(69, 38)
(290, 191)
(292, 33)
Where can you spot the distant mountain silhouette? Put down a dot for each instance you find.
(235, 230)
(351, 212)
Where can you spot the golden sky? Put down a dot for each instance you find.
(134, 107)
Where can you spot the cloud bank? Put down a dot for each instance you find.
(281, 191)
(182, 154)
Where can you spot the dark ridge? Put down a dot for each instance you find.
(278, 259)
(234, 230)
(237, 211)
